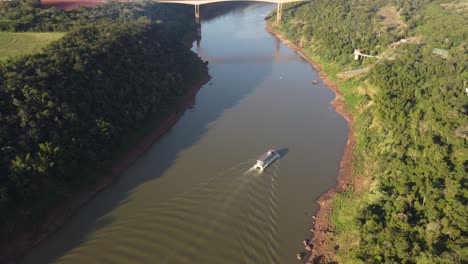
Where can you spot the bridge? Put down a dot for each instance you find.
(357, 54)
(197, 3)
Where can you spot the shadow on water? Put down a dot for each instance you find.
(283, 152)
(215, 10)
(189, 129)
(212, 11)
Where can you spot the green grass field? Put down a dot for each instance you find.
(14, 44)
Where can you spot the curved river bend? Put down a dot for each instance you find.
(192, 197)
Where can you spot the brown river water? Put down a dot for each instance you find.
(193, 197)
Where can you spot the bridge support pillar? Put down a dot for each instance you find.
(197, 13)
(356, 54)
(279, 11)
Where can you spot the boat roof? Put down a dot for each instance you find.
(266, 155)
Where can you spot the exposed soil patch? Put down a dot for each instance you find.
(390, 19)
(322, 231)
(13, 251)
(389, 16)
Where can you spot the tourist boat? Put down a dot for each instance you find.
(266, 159)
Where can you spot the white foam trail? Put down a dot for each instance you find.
(248, 171)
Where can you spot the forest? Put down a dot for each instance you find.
(408, 203)
(66, 110)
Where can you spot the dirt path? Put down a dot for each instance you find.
(322, 230)
(13, 251)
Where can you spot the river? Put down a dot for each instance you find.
(193, 197)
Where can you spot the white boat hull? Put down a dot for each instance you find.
(261, 165)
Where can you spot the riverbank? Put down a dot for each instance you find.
(321, 232)
(13, 251)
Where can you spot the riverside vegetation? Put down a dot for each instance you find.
(65, 110)
(408, 201)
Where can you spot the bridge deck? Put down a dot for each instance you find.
(202, 2)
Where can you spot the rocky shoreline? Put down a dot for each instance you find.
(12, 251)
(322, 230)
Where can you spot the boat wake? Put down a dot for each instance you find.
(226, 218)
(251, 171)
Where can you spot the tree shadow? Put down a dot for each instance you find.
(212, 11)
(191, 127)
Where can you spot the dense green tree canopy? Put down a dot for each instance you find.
(411, 114)
(67, 108)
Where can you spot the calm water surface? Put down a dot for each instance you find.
(192, 198)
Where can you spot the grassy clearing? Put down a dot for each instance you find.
(390, 17)
(329, 68)
(456, 7)
(347, 87)
(15, 44)
(345, 208)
